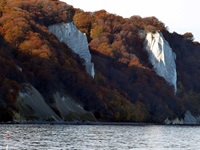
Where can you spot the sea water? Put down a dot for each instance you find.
(100, 137)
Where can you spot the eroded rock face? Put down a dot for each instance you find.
(31, 106)
(191, 119)
(188, 119)
(76, 40)
(162, 57)
(70, 109)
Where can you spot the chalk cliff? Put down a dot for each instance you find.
(188, 119)
(162, 57)
(32, 106)
(43, 79)
(70, 109)
(76, 40)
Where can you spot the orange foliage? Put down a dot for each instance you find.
(124, 88)
(83, 21)
(117, 44)
(188, 36)
(35, 46)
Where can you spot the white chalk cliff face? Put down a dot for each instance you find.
(162, 57)
(76, 40)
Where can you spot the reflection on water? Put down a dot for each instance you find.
(95, 137)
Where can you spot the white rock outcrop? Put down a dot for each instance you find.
(162, 57)
(76, 40)
(175, 121)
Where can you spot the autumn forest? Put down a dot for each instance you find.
(125, 87)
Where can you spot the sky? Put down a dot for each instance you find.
(178, 15)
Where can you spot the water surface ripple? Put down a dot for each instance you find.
(103, 137)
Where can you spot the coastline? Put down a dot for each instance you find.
(94, 123)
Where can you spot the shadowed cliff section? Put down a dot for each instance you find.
(188, 73)
(142, 85)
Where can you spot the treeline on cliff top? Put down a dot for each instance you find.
(30, 53)
(124, 88)
(123, 40)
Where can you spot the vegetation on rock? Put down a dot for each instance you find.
(125, 87)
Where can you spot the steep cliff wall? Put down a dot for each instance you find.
(162, 57)
(125, 87)
(70, 109)
(31, 106)
(76, 40)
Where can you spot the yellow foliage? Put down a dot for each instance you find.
(105, 48)
(96, 31)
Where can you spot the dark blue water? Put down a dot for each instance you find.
(95, 137)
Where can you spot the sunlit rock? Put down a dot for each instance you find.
(162, 57)
(76, 40)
